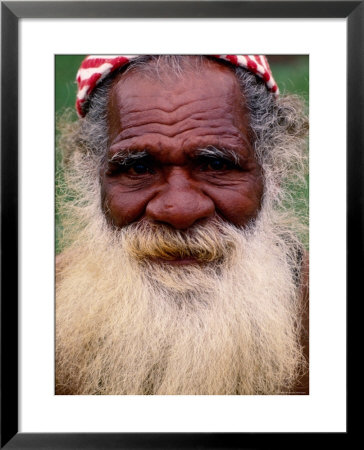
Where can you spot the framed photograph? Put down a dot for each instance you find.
(36, 37)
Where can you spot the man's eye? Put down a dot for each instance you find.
(216, 164)
(132, 168)
(139, 168)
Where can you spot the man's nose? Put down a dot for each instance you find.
(180, 203)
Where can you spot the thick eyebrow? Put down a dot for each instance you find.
(214, 152)
(127, 157)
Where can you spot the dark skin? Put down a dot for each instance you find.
(171, 122)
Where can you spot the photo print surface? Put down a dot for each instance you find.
(182, 225)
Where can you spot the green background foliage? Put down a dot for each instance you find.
(291, 73)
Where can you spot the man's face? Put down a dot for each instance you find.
(179, 151)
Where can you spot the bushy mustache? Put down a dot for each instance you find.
(207, 241)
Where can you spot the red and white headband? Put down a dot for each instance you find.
(95, 68)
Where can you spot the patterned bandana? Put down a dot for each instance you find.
(95, 68)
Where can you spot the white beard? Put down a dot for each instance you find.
(128, 325)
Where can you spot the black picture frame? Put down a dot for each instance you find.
(11, 12)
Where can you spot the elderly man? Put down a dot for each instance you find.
(184, 272)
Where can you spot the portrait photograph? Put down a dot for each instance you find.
(182, 226)
(182, 243)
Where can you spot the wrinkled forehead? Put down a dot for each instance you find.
(195, 89)
(201, 103)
